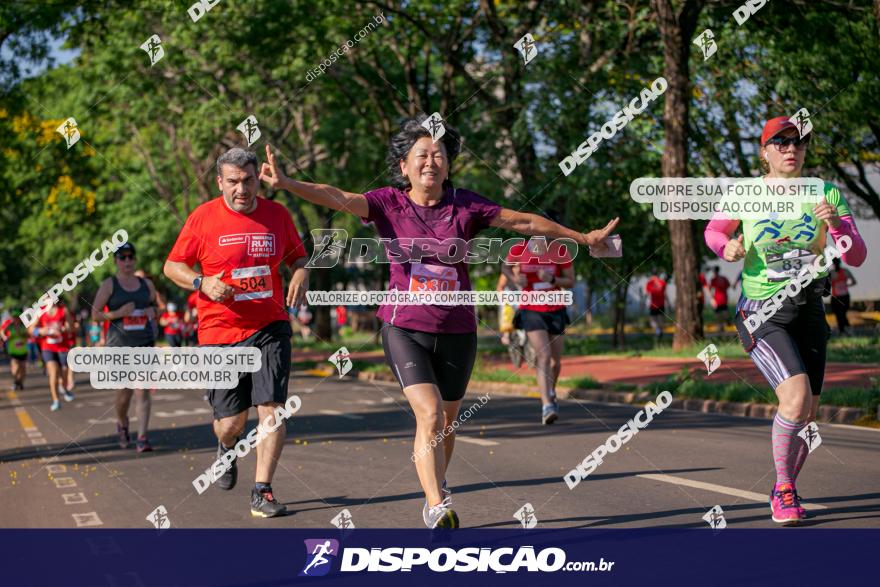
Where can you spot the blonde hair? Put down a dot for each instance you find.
(762, 161)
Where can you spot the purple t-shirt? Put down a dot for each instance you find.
(460, 214)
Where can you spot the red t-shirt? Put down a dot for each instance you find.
(701, 279)
(248, 248)
(173, 323)
(192, 324)
(53, 334)
(720, 285)
(5, 326)
(839, 283)
(656, 289)
(192, 300)
(341, 315)
(554, 260)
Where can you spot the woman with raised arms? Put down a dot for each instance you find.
(430, 348)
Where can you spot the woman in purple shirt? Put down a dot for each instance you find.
(431, 349)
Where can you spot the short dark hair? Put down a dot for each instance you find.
(411, 130)
(237, 157)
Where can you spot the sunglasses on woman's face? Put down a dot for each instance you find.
(125, 257)
(782, 142)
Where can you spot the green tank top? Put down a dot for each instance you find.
(776, 250)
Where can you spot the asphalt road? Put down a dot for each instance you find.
(349, 448)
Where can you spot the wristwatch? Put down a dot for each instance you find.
(197, 283)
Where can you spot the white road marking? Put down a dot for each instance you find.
(64, 482)
(340, 414)
(851, 427)
(750, 495)
(479, 441)
(74, 498)
(167, 397)
(175, 413)
(112, 420)
(88, 519)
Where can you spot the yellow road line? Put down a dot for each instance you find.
(23, 417)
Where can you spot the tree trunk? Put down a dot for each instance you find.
(323, 282)
(676, 30)
(877, 13)
(618, 337)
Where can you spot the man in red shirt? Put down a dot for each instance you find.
(172, 325)
(656, 290)
(240, 240)
(719, 286)
(53, 328)
(542, 269)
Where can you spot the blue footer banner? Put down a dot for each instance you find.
(276, 557)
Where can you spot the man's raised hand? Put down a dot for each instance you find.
(270, 173)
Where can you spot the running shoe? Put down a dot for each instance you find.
(549, 413)
(122, 435)
(68, 397)
(442, 516)
(56, 405)
(264, 504)
(444, 493)
(785, 505)
(227, 480)
(143, 445)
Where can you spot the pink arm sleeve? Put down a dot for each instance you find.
(718, 232)
(857, 253)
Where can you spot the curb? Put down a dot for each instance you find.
(833, 414)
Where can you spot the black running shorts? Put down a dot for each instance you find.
(444, 360)
(793, 341)
(267, 385)
(553, 322)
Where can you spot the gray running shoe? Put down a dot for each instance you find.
(442, 516)
(549, 413)
(444, 493)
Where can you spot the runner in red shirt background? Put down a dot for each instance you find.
(719, 286)
(15, 336)
(542, 269)
(240, 240)
(841, 280)
(191, 320)
(172, 325)
(656, 290)
(53, 329)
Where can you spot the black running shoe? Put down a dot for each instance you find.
(227, 480)
(264, 504)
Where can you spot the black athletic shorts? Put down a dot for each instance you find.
(722, 309)
(657, 311)
(269, 384)
(58, 357)
(445, 360)
(793, 341)
(553, 322)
